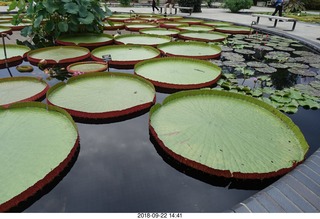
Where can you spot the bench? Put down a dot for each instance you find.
(276, 19)
(190, 9)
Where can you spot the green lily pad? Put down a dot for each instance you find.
(199, 50)
(234, 29)
(227, 134)
(58, 54)
(139, 26)
(178, 72)
(89, 40)
(103, 95)
(172, 24)
(217, 23)
(204, 36)
(40, 141)
(15, 54)
(142, 39)
(87, 67)
(113, 26)
(160, 31)
(124, 56)
(196, 28)
(302, 72)
(21, 89)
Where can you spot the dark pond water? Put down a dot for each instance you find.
(119, 169)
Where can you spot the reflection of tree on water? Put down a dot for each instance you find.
(283, 79)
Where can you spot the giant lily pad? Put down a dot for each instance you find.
(113, 26)
(227, 134)
(15, 54)
(234, 29)
(88, 40)
(172, 24)
(21, 89)
(37, 143)
(178, 72)
(141, 39)
(160, 31)
(191, 21)
(139, 26)
(6, 30)
(204, 36)
(14, 27)
(217, 23)
(103, 95)
(197, 50)
(196, 28)
(58, 54)
(125, 56)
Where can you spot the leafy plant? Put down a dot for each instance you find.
(125, 2)
(237, 5)
(295, 6)
(196, 4)
(51, 18)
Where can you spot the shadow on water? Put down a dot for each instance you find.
(48, 187)
(245, 184)
(110, 120)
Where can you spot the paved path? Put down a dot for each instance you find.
(303, 31)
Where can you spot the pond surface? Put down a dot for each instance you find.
(119, 169)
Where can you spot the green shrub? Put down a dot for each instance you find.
(237, 5)
(51, 18)
(295, 6)
(312, 4)
(125, 2)
(196, 4)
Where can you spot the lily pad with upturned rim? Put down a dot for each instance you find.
(227, 134)
(6, 30)
(160, 31)
(58, 55)
(125, 56)
(113, 26)
(88, 40)
(204, 36)
(196, 28)
(139, 26)
(87, 67)
(178, 73)
(141, 39)
(234, 30)
(199, 50)
(102, 95)
(15, 54)
(172, 24)
(40, 141)
(21, 89)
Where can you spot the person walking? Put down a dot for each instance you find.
(154, 6)
(278, 7)
(168, 3)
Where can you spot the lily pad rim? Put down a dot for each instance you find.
(226, 173)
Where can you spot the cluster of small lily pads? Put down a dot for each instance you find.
(251, 64)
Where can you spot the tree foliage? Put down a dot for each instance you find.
(196, 4)
(237, 5)
(51, 18)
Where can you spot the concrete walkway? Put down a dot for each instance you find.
(304, 31)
